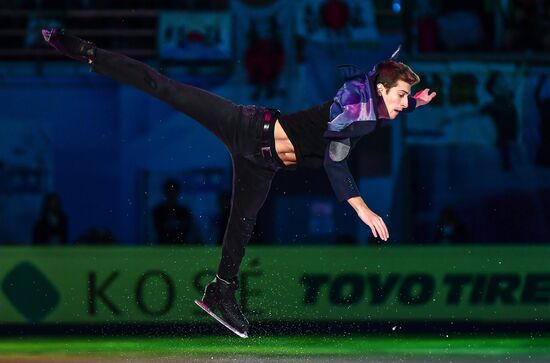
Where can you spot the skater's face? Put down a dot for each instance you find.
(395, 98)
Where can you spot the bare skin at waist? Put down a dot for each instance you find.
(283, 146)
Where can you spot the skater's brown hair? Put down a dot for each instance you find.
(390, 72)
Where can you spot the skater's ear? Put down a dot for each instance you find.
(380, 88)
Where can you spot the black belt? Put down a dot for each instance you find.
(268, 118)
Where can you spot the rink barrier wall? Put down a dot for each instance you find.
(353, 286)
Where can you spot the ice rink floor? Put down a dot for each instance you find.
(275, 349)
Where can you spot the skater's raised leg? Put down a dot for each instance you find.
(216, 113)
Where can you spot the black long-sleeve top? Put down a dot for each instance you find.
(324, 135)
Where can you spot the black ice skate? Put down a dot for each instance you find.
(220, 295)
(69, 45)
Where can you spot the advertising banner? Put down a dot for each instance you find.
(80, 285)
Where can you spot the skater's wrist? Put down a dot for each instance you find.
(358, 204)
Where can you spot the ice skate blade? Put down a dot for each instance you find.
(47, 34)
(220, 320)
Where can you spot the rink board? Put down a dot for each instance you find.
(82, 285)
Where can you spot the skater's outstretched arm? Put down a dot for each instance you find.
(345, 188)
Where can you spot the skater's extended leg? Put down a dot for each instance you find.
(216, 113)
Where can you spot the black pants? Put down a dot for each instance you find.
(238, 127)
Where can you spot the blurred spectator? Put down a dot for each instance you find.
(502, 111)
(451, 30)
(426, 26)
(523, 25)
(543, 105)
(173, 222)
(264, 59)
(505, 25)
(51, 227)
(449, 228)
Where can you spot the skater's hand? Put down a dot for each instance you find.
(424, 97)
(374, 221)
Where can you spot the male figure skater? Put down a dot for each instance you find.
(262, 141)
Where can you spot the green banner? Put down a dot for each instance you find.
(158, 285)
